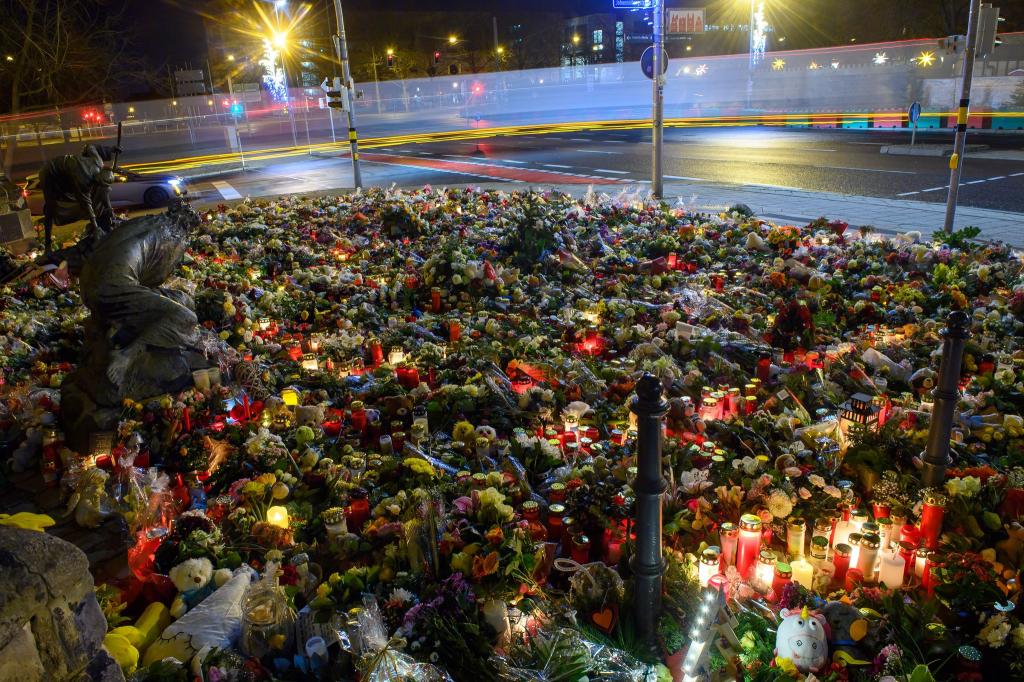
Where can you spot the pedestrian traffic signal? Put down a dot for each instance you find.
(988, 25)
(437, 57)
(391, 59)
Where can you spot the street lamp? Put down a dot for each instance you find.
(575, 39)
(9, 57)
(452, 39)
(231, 57)
(500, 50)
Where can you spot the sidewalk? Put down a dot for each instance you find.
(778, 204)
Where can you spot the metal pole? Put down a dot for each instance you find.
(648, 564)
(956, 160)
(341, 46)
(497, 57)
(288, 101)
(376, 83)
(658, 93)
(946, 394)
(750, 54)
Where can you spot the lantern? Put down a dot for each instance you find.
(291, 396)
(803, 572)
(932, 512)
(264, 324)
(315, 341)
(571, 421)
(278, 516)
(310, 362)
(859, 412)
(892, 569)
(764, 572)
(796, 529)
(396, 355)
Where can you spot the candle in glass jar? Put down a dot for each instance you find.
(921, 561)
(581, 549)
(885, 533)
(841, 559)
(803, 572)
(891, 570)
(554, 522)
(709, 565)
(823, 529)
(764, 572)
(784, 574)
(571, 422)
(748, 544)
(854, 579)
(796, 529)
(728, 535)
(909, 554)
(928, 577)
(868, 555)
(932, 512)
(842, 533)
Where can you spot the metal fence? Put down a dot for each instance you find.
(851, 86)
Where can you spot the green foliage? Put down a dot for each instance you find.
(111, 605)
(959, 239)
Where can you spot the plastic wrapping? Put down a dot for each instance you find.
(378, 657)
(268, 623)
(564, 655)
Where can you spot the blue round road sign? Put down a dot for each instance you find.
(647, 62)
(915, 112)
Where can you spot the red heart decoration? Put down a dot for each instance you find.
(604, 619)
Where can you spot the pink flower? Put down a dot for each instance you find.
(805, 494)
(464, 505)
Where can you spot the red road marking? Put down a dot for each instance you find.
(487, 170)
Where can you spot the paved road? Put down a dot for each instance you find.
(839, 161)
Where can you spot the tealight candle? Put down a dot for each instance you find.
(709, 566)
(764, 572)
(396, 355)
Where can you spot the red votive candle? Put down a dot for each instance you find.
(932, 512)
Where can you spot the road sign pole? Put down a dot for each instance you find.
(956, 160)
(341, 46)
(658, 93)
(913, 134)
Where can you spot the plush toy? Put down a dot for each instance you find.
(801, 639)
(27, 521)
(847, 629)
(195, 580)
(309, 415)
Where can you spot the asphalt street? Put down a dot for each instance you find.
(825, 160)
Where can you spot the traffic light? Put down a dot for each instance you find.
(391, 59)
(437, 57)
(988, 25)
(952, 44)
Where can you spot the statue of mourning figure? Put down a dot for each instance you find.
(140, 340)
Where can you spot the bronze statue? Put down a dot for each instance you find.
(139, 337)
(78, 188)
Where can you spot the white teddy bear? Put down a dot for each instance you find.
(195, 580)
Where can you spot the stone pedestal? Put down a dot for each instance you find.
(51, 626)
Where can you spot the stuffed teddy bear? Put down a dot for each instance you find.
(195, 580)
(847, 629)
(801, 639)
(309, 415)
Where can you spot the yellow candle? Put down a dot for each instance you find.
(803, 572)
(278, 516)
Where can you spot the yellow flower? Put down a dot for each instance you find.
(491, 497)
(334, 578)
(787, 666)
(266, 479)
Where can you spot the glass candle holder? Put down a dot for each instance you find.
(932, 512)
(764, 571)
(728, 535)
(709, 565)
(796, 529)
(868, 555)
(748, 544)
(841, 559)
(784, 574)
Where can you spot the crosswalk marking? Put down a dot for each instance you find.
(226, 190)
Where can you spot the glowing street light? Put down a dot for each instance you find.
(926, 59)
(813, 66)
(575, 40)
(279, 39)
(9, 57)
(231, 57)
(174, 102)
(880, 58)
(452, 39)
(835, 63)
(779, 64)
(391, 51)
(500, 50)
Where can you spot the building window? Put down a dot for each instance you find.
(598, 36)
(620, 42)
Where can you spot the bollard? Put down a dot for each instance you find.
(648, 564)
(946, 393)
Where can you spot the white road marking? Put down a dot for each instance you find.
(555, 165)
(509, 161)
(907, 194)
(597, 151)
(813, 149)
(972, 182)
(683, 177)
(933, 189)
(1014, 175)
(579, 139)
(609, 170)
(226, 190)
(870, 170)
(998, 177)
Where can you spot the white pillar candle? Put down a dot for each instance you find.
(201, 379)
(891, 572)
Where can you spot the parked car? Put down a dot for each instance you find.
(130, 189)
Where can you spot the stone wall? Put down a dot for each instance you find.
(51, 626)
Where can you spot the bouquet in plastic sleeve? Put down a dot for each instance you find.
(564, 655)
(378, 656)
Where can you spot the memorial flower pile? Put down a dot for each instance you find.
(415, 451)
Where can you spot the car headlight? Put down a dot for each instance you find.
(174, 182)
